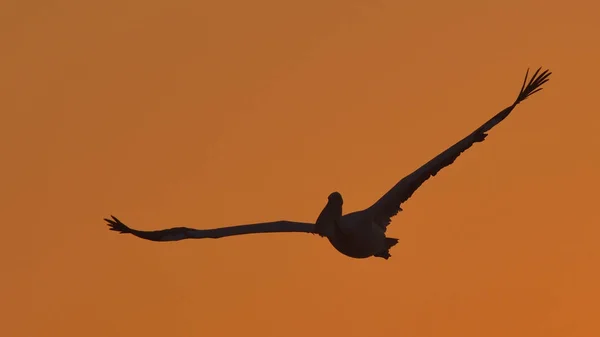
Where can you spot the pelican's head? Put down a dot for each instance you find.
(336, 197)
(330, 215)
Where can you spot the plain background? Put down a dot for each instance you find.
(212, 113)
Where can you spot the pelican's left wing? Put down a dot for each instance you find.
(389, 205)
(181, 233)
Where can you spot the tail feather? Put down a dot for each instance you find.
(390, 242)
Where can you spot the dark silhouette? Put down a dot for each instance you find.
(359, 234)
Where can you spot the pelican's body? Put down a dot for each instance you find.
(359, 234)
(355, 234)
(364, 238)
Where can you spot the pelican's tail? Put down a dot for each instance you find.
(390, 242)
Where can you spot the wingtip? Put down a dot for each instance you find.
(116, 225)
(534, 84)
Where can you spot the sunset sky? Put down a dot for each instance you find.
(215, 113)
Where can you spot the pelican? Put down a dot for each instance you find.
(360, 234)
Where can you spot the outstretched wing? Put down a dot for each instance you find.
(389, 205)
(181, 233)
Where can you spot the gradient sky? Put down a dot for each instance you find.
(212, 113)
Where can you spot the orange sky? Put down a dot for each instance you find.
(211, 113)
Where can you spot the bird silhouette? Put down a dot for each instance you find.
(359, 234)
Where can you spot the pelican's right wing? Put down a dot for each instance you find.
(389, 204)
(181, 233)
